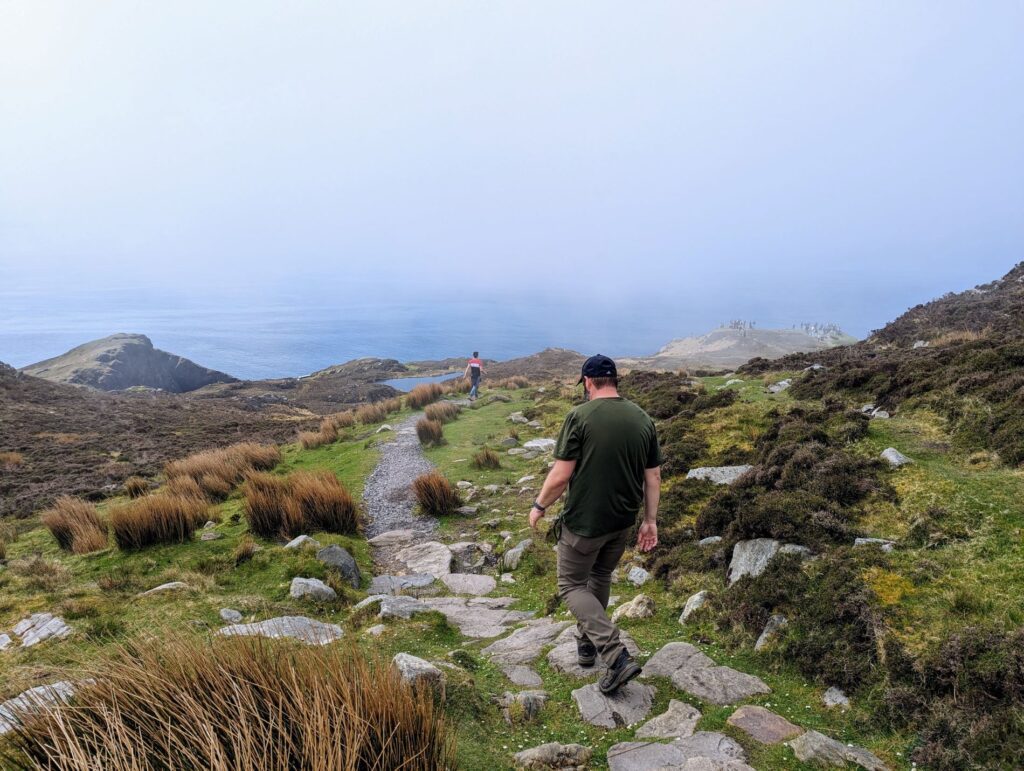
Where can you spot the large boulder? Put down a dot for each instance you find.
(751, 558)
(337, 557)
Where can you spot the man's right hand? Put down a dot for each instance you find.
(647, 537)
(535, 516)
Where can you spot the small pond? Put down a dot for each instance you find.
(409, 383)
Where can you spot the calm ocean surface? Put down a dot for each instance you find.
(258, 337)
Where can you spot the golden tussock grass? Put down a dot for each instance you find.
(486, 459)
(11, 460)
(157, 519)
(135, 487)
(235, 703)
(245, 550)
(430, 432)
(371, 413)
(340, 420)
(443, 412)
(435, 494)
(303, 502)
(269, 508)
(423, 394)
(218, 471)
(75, 525)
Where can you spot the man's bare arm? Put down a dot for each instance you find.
(647, 537)
(554, 485)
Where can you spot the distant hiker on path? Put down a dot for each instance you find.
(608, 456)
(474, 369)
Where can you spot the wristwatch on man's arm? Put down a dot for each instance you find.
(538, 507)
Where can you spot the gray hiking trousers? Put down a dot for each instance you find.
(585, 568)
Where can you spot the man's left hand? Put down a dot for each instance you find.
(647, 537)
(535, 515)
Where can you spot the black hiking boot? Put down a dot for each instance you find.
(586, 653)
(621, 672)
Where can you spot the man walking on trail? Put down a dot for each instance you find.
(474, 369)
(608, 456)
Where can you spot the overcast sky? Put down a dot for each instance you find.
(781, 160)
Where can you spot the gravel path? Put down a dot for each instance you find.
(388, 493)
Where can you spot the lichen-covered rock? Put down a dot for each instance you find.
(718, 685)
(510, 560)
(817, 748)
(751, 558)
(894, 457)
(679, 720)
(638, 576)
(719, 475)
(522, 706)
(834, 697)
(694, 603)
(420, 673)
(311, 587)
(763, 725)
(640, 606)
(563, 757)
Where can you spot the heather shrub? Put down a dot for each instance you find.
(442, 412)
(422, 395)
(324, 501)
(232, 703)
(486, 459)
(75, 525)
(430, 432)
(157, 519)
(135, 487)
(435, 494)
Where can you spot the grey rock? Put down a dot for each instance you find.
(694, 603)
(522, 675)
(33, 700)
(40, 627)
(719, 475)
(675, 656)
(776, 622)
(211, 535)
(630, 704)
(679, 720)
(818, 748)
(715, 764)
(301, 628)
(834, 697)
(467, 511)
(530, 455)
(750, 558)
(801, 552)
(710, 744)
(880, 414)
(711, 540)
(311, 587)
(510, 560)
(426, 557)
(398, 537)
(469, 583)
(644, 756)
(525, 479)
(517, 451)
(493, 489)
(210, 524)
(712, 749)
(563, 757)
(376, 630)
(476, 619)
(5, 642)
(507, 578)
(388, 584)
(508, 441)
(517, 417)
(337, 557)
(383, 428)
(170, 586)
(562, 658)
(418, 672)
(302, 540)
(881, 543)
(528, 703)
(732, 381)
(541, 445)
(524, 644)
(763, 725)
(230, 616)
(894, 457)
(638, 576)
(782, 385)
(718, 685)
(462, 484)
(640, 606)
(867, 408)
(920, 344)
(468, 556)
(400, 606)
(535, 424)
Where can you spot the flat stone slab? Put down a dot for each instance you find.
(817, 748)
(751, 558)
(307, 630)
(395, 537)
(302, 540)
(679, 720)
(563, 757)
(718, 685)
(562, 658)
(545, 445)
(430, 557)
(171, 586)
(523, 676)
(469, 583)
(675, 656)
(396, 584)
(400, 607)
(763, 725)
(705, 750)
(719, 475)
(630, 704)
(478, 620)
(33, 700)
(40, 627)
(524, 644)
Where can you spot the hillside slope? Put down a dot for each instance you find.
(123, 361)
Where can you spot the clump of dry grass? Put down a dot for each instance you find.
(456, 386)
(435, 494)
(135, 487)
(443, 412)
(325, 502)
(11, 460)
(216, 472)
(341, 420)
(226, 704)
(430, 432)
(3, 550)
(371, 413)
(40, 573)
(155, 519)
(245, 550)
(75, 525)
(486, 459)
(310, 440)
(269, 507)
(423, 394)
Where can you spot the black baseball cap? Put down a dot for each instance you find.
(598, 366)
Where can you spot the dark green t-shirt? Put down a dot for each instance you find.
(612, 442)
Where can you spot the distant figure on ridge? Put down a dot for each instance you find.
(608, 456)
(474, 369)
